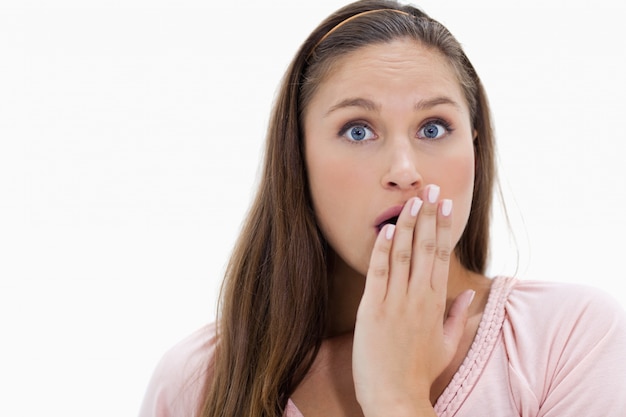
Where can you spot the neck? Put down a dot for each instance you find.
(347, 287)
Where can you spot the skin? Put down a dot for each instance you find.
(399, 324)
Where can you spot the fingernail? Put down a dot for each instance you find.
(389, 232)
(415, 208)
(471, 298)
(433, 193)
(446, 207)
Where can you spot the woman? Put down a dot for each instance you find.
(357, 285)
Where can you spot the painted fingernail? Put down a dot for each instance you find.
(433, 193)
(471, 298)
(389, 232)
(446, 207)
(415, 208)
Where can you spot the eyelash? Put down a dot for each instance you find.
(349, 126)
(447, 126)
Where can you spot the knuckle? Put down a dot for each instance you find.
(444, 253)
(384, 248)
(380, 271)
(445, 221)
(407, 225)
(402, 256)
(429, 210)
(439, 307)
(429, 246)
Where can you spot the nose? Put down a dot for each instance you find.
(401, 172)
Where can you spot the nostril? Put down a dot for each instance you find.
(403, 176)
(407, 184)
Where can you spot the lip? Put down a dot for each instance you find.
(387, 214)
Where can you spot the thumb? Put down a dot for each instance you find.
(457, 318)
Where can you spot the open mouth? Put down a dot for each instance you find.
(391, 220)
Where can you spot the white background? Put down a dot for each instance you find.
(130, 134)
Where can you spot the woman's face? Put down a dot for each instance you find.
(388, 120)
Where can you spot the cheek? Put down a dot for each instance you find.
(327, 174)
(460, 174)
(340, 195)
(334, 184)
(459, 186)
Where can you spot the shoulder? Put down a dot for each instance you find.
(563, 343)
(176, 384)
(555, 305)
(552, 312)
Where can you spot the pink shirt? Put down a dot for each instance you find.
(542, 349)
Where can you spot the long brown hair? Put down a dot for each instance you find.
(274, 299)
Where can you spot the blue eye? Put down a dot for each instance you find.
(433, 130)
(357, 132)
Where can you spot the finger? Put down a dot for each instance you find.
(441, 265)
(457, 319)
(377, 278)
(425, 240)
(402, 247)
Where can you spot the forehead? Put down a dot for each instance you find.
(400, 67)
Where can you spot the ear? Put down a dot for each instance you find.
(475, 135)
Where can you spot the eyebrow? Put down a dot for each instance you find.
(433, 102)
(355, 102)
(372, 106)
